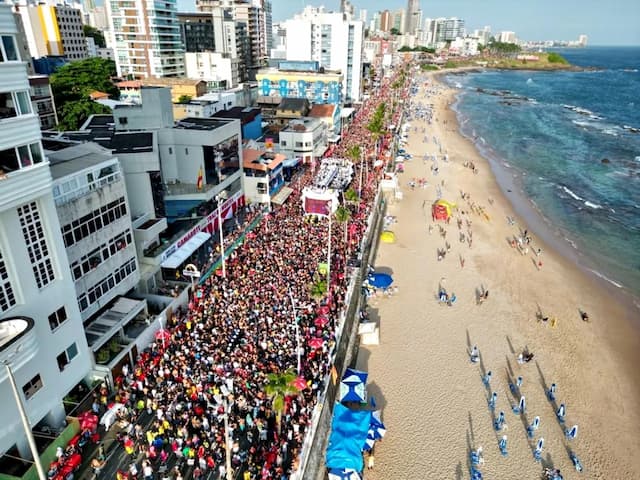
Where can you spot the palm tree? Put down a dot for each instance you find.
(353, 153)
(278, 386)
(343, 215)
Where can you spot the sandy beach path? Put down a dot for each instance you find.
(433, 399)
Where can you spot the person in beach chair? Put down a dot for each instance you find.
(584, 316)
(525, 357)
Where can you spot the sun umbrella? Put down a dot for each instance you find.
(300, 383)
(380, 280)
(537, 454)
(561, 412)
(343, 474)
(572, 432)
(492, 400)
(320, 321)
(388, 236)
(353, 386)
(316, 342)
(503, 446)
(322, 310)
(533, 427)
(163, 334)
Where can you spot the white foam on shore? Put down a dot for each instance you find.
(604, 277)
(592, 205)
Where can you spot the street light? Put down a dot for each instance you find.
(25, 420)
(220, 198)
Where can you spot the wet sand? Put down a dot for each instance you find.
(433, 399)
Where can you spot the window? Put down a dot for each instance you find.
(7, 297)
(261, 187)
(34, 237)
(283, 143)
(170, 151)
(57, 318)
(32, 386)
(94, 221)
(8, 50)
(186, 151)
(24, 102)
(122, 120)
(65, 357)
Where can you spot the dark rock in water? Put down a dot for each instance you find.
(605, 160)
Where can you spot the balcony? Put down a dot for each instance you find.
(18, 342)
(147, 230)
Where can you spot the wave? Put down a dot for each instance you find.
(572, 194)
(604, 277)
(595, 206)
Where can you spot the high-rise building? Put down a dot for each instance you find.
(399, 20)
(347, 8)
(42, 339)
(411, 20)
(483, 35)
(146, 36)
(452, 29)
(255, 18)
(53, 30)
(386, 20)
(197, 32)
(582, 40)
(331, 40)
(507, 37)
(362, 16)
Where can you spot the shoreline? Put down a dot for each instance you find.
(434, 403)
(554, 237)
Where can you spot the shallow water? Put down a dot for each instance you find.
(552, 131)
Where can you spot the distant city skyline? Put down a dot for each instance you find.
(540, 20)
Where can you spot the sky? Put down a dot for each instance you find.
(612, 22)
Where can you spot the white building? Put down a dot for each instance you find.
(214, 68)
(331, 40)
(465, 47)
(507, 37)
(483, 35)
(208, 105)
(48, 351)
(305, 138)
(147, 41)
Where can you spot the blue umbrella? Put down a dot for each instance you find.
(571, 433)
(533, 427)
(537, 453)
(561, 412)
(353, 386)
(492, 400)
(380, 280)
(499, 422)
(503, 445)
(343, 474)
(576, 462)
(487, 378)
(551, 393)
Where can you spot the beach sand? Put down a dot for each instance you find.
(433, 400)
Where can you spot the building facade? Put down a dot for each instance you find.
(42, 101)
(412, 20)
(54, 30)
(147, 41)
(197, 32)
(48, 355)
(331, 40)
(219, 71)
(305, 138)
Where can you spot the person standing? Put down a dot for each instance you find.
(371, 461)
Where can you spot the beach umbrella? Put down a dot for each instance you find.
(388, 236)
(487, 378)
(503, 445)
(321, 321)
(380, 280)
(561, 412)
(476, 457)
(163, 334)
(533, 427)
(476, 474)
(322, 310)
(315, 342)
(571, 433)
(519, 382)
(537, 453)
(522, 405)
(343, 474)
(353, 386)
(551, 393)
(499, 422)
(492, 400)
(576, 462)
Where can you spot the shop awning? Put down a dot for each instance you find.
(291, 162)
(347, 112)
(281, 197)
(185, 251)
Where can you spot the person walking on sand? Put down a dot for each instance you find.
(371, 461)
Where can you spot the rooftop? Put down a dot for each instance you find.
(75, 158)
(322, 110)
(170, 81)
(245, 114)
(193, 123)
(261, 160)
(294, 104)
(303, 124)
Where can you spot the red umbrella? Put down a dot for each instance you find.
(320, 321)
(323, 310)
(163, 334)
(316, 342)
(299, 383)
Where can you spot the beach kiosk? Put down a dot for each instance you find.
(441, 210)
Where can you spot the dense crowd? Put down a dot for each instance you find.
(239, 329)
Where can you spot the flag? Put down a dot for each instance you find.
(268, 143)
(323, 268)
(200, 178)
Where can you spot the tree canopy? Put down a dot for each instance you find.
(73, 83)
(394, 31)
(501, 48)
(555, 57)
(96, 34)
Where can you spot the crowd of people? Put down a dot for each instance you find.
(237, 330)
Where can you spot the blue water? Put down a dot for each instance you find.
(555, 154)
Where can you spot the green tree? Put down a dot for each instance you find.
(96, 34)
(342, 216)
(394, 31)
(184, 99)
(405, 48)
(351, 195)
(73, 83)
(278, 386)
(554, 57)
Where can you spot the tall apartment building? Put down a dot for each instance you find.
(53, 30)
(197, 32)
(43, 102)
(333, 41)
(412, 22)
(399, 20)
(451, 29)
(507, 37)
(42, 339)
(255, 16)
(146, 36)
(386, 19)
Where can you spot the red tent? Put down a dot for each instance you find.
(439, 212)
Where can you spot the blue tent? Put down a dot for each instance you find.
(353, 386)
(380, 280)
(343, 474)
(348, 436)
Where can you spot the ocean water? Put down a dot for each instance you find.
(549, 132)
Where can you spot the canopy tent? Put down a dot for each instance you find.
(344, 474)
(353, 386)
(184, 252)
(348, 435)
(441, 210)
